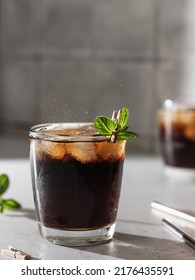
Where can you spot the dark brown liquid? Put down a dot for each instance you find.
(75, 195)
(177, 149)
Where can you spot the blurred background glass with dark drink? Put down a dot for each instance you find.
(177, 139)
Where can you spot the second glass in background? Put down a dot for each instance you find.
(177, 139)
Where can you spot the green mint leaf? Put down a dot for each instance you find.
(124, 128)
(124, 116)
(11, 204)
(104, 125)
(4, 183)
(126, 135)
(1, 208)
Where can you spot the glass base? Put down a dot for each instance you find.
(77, 237)
(180, 174)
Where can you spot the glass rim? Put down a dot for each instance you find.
(45, 131)
(172, 105)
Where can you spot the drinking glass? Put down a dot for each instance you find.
(76, 178)
(177, 138)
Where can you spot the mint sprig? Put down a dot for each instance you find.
(105, 126)
(9, 204)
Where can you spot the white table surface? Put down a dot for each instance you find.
(139, 232)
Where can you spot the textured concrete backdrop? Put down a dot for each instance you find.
(70, 60)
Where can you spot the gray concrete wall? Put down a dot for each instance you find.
(71, 60)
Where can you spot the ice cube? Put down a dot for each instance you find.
(189, 131)
(53, 150)
(82, 151)
(189, 123)
(187, 117)
(110, 151)
(87, 129)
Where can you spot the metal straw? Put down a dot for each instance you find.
(179, 232)
(172, 211)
